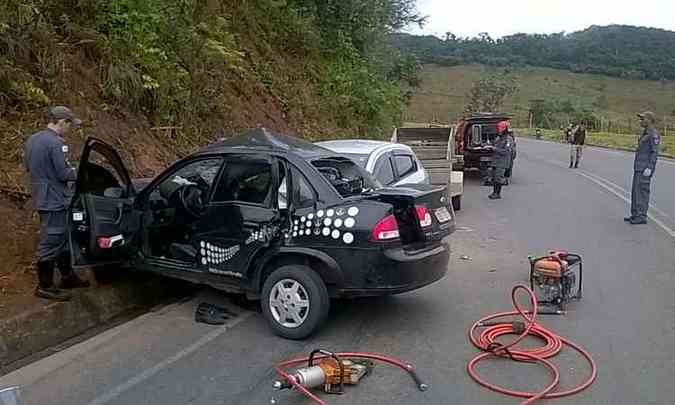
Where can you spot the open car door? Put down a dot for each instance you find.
(103, 223)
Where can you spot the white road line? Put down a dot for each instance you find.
(658, 222)
(139, 378)
(616, 186)
(626, 192)
(605, 184)
(32, 373)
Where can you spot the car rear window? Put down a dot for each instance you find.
(404, 165)
(383, 170)
(347, 177)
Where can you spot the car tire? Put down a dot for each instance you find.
(457, 202)
(309, 287)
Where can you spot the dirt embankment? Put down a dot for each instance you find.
(146, 151)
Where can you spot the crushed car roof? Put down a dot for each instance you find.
(265, 140)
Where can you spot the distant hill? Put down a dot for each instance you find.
(615, 50)
(613, 102)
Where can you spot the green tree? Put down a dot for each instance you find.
(488, 93)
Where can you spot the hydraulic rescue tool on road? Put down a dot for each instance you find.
(332, 371)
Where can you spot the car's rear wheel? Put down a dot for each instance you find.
(295, 301)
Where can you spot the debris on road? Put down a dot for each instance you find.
(212, 314)
(465, 257)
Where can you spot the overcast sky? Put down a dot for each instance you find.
(499, 18)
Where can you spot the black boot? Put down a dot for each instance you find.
(496, 192)
(69, 279)
(576, 164)
(571, 163)
(45, 288)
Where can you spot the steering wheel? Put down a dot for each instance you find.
(190, 197)
(332, 173)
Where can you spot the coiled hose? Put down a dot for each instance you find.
(487, 342)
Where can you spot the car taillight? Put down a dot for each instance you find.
(423, 215)
(386, 229)
(109, 242)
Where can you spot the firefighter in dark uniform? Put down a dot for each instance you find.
(45, 159)
(643, 169)
(503, 153)
(577, 141)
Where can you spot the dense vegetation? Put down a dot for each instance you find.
(619, 51)
(185, 62)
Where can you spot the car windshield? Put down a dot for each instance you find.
(347, 177)
(360, 159)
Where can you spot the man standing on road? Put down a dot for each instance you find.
(503, 153)
(567, 133)
(577, 140)
(643, 168)
(45, 159)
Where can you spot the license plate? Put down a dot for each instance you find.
(443, 215)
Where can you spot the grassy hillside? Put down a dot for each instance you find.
(443, 95)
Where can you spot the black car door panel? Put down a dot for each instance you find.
(103, 223)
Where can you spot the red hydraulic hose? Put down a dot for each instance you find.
(407, 367)
(487, 342)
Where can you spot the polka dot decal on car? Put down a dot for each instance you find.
(332, 223)
(263, 234)
(213, 254)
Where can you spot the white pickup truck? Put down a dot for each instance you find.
(434, 147)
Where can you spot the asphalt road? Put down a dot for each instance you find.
(626, 319)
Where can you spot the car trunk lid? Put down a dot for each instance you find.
(423, 212)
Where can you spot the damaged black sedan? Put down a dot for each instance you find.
(270, 216)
